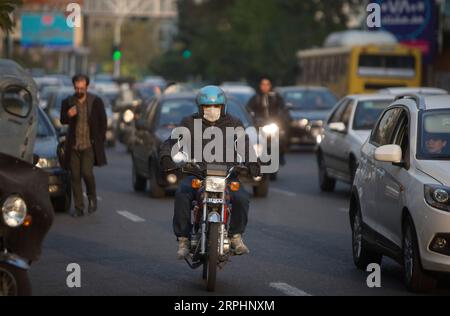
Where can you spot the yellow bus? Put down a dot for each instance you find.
(361, 69)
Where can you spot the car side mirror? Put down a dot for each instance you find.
(339, 127)
(389, 153)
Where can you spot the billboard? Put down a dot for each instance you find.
(47, 30)
(413, 22)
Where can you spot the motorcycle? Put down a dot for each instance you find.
(210, 216)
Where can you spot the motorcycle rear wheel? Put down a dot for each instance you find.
(14, 281)
(213, 256)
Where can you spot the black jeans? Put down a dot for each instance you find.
(183, 205)
(82, 168)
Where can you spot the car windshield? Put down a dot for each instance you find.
(172, 112)
(44, 127)
(434, 142)
(60, 98)
(238, 111)
(368, 112)
(243, 97)
(310, 100)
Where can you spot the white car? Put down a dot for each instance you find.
(413, 90)
(345, 131)
(400, 204)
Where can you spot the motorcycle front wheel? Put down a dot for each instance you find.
(213, 256)
(14, 281)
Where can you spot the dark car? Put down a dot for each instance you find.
(308, 108)
(155, 126)
(46, 148)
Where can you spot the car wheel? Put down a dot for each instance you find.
(415, 278)
(327, 184)
(156, 191)
(139, 182)
(362, 255)
(262, 189)
(14, 281)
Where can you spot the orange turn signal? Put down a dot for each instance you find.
(235, 186)
(196, 184)
(27, 221)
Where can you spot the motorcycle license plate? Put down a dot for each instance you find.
(214, 201)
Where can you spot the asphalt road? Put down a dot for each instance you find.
(299, 239)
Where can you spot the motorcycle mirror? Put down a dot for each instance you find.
(180, 157)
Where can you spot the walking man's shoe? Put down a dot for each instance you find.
(238, 246)
(184, 246)
(92, 205)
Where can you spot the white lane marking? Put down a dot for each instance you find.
(288, 193)
(131, 216)
(288, 289)
(343, 209)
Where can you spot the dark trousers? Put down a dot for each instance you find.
(82, 168)
(183, 205)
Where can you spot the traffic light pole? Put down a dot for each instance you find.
(117, 43)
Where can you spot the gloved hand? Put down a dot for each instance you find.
(167, 163)
(255, 169)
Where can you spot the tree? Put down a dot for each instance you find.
(232, 39)
(6, 8)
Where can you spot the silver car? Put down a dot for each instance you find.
(400, 204)
(345, 131)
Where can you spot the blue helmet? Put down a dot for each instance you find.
(212, 95)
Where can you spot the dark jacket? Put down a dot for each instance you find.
(97, 125)
(224, 122)
(276, 106)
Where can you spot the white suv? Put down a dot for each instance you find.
(400, 204)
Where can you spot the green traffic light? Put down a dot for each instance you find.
(187, 54)
(117, 55)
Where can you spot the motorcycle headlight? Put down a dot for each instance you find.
(438, 196)
(214, 184)
(47, 163)
(14, 211)
(128, 116)
(271, 129)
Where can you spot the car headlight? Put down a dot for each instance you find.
(438, 196)
(14, 211)
(48, 163)
(128, 116)
(214, 184)
(270, 129)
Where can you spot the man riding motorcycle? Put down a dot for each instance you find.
(212, 105)
(267, 105)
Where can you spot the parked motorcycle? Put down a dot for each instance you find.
(210, 216)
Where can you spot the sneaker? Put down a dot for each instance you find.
(238, 246)
(184, 246)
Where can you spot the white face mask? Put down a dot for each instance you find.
(212, 114)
